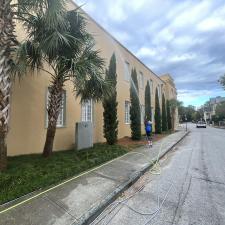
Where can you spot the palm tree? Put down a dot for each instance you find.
(6, 49)
(67, 48)
(8, 43)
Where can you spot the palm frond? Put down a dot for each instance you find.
(55, 15)
(77, 23)
(61, 39)
(52, 12)
(87, 73)
(95, 88)
(28, 57)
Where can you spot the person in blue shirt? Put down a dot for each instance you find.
(148, 130)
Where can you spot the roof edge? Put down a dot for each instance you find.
(108, 33)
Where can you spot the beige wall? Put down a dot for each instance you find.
(28, 114)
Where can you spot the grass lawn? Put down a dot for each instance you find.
(32, 172)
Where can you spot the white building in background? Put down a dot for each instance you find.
(210, 107)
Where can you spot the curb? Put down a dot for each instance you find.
(94, 212)
(222, 128)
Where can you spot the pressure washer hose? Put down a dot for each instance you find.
(155, 170)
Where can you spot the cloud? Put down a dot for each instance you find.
(192, 13)
(145, 52)
(211, 24)
(122, 36)
(183, 38)
(197, 97)
(117, 12)
(182, 57)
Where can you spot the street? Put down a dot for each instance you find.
(188, 188)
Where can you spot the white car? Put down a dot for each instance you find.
(201, 124)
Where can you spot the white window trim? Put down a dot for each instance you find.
(87, 116)
(151, 86)
(159, 91)
(141, 80)
(153, 114)
(142, 114)
(127, 114)
(127, 74)
(60, 123)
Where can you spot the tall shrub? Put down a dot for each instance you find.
(164, 116)
(110, 105)
(169, 119)
(158, 119)
(148, 109)
(135, 112)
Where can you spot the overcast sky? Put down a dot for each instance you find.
(183, 38)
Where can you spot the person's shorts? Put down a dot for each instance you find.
(148, 134)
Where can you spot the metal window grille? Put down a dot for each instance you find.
(127, 71)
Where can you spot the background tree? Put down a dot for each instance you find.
(197, 116)
(168, 112)
(148, 105)
(188, 112)
(135, 112)
(201, 112)
(222, 81)
(181, 111)
(110, 105)
(215, 119)
(207, 107)
(65, 45)
(164, 116)
(220, 111)
(158, 119)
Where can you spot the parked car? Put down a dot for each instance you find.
(201, 124)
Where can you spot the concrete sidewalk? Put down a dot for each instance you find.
(82, 198)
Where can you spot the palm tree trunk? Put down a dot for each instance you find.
(3, 150)
(49, 140)
(54, 107)
(7, 39)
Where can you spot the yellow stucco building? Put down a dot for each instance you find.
(28, 103)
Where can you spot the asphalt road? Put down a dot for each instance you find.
(188, 188)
